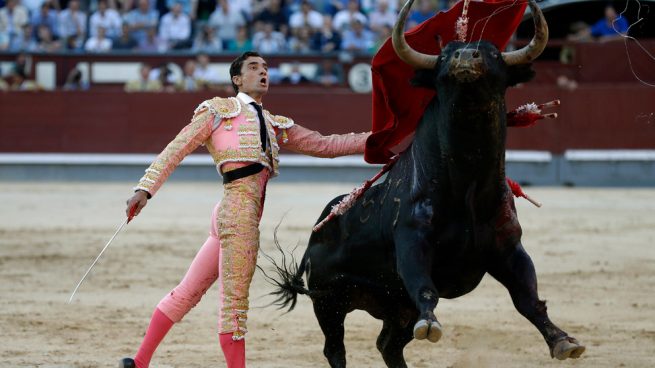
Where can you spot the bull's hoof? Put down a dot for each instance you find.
(568, 347)
(425, 329)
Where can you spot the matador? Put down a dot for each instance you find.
(244, 141)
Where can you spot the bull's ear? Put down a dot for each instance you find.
(519, 74)
(426, 78)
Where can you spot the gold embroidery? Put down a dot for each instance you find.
(278, 121)
(249, 141)
(225, 107)
(237, 222)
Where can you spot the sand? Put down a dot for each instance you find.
(594, 250)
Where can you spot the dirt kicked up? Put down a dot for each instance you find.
(593, 250)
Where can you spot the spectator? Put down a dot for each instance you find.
(4, 86)
(12, 19)
(46, 41)
(301, 43)
(306, 17)
(32, 6)
(107, 18)
(273, 13)
(27, 41)
(144, 83)
(612, 26)
(141, 19)
(225, 21)
(206, 41)
(189, 82)
(203, 72)
(335, 6)
(18, 82)
(357, 39)
(369, 6)
(609, 27)
(125, 41)
(242, 42)
(152, 42)
(269, 41)
(165, 77)
(45, 16)
(188, 7)
(295, 76)
(244, 7)
(327, 40)
(22, 64)
(72, 25)
(175, 28)
(382, 16)
(98, 43)
(72, 44)
(381, 36)
(74, 81)
(417, 16)
(343, 19)
(329, 73)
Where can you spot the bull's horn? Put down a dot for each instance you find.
(538, 43)
(403, 50)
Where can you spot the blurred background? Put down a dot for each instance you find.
(93, 89)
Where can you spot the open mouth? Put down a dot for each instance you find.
(263, 82)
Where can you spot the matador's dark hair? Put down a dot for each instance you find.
(235, 67)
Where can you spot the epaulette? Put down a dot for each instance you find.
(279, 121)
(220, 107)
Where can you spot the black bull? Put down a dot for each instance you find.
(443, 217)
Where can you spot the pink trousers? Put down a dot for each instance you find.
(229, 255)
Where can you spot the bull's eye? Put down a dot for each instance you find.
(494, 54)
(476, 54)
(456, 54)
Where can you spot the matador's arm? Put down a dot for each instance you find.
(309, 142)
(189, 138)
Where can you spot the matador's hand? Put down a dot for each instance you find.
(140, 199)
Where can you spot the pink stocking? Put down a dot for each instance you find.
(234, 351)
(157, 330)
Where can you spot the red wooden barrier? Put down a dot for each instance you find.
(594, 116)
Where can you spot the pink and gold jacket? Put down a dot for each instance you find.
(230, 131)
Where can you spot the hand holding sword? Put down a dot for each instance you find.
(134, 207)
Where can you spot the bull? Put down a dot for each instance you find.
(443, 217)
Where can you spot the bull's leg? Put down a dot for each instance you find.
(516, 272)
(414, 263)
(391, 342)
(331, 319)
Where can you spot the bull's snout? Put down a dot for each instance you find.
(466, 64)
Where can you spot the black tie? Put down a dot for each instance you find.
(262, 126)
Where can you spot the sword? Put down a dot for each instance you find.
(125, 222)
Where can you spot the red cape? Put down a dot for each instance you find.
(397, 106)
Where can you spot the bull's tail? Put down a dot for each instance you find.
(286, 277)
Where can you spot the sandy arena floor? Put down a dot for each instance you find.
(594, 251)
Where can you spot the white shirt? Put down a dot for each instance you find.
(343, 19)
(226, 25)
(94, 44)
(110, 21)
(206, 74)
(172, 28)
(247, 100)
(314, 19)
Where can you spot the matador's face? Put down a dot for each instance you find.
(253, 80)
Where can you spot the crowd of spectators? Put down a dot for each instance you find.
(210, 26)
(197, 75)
